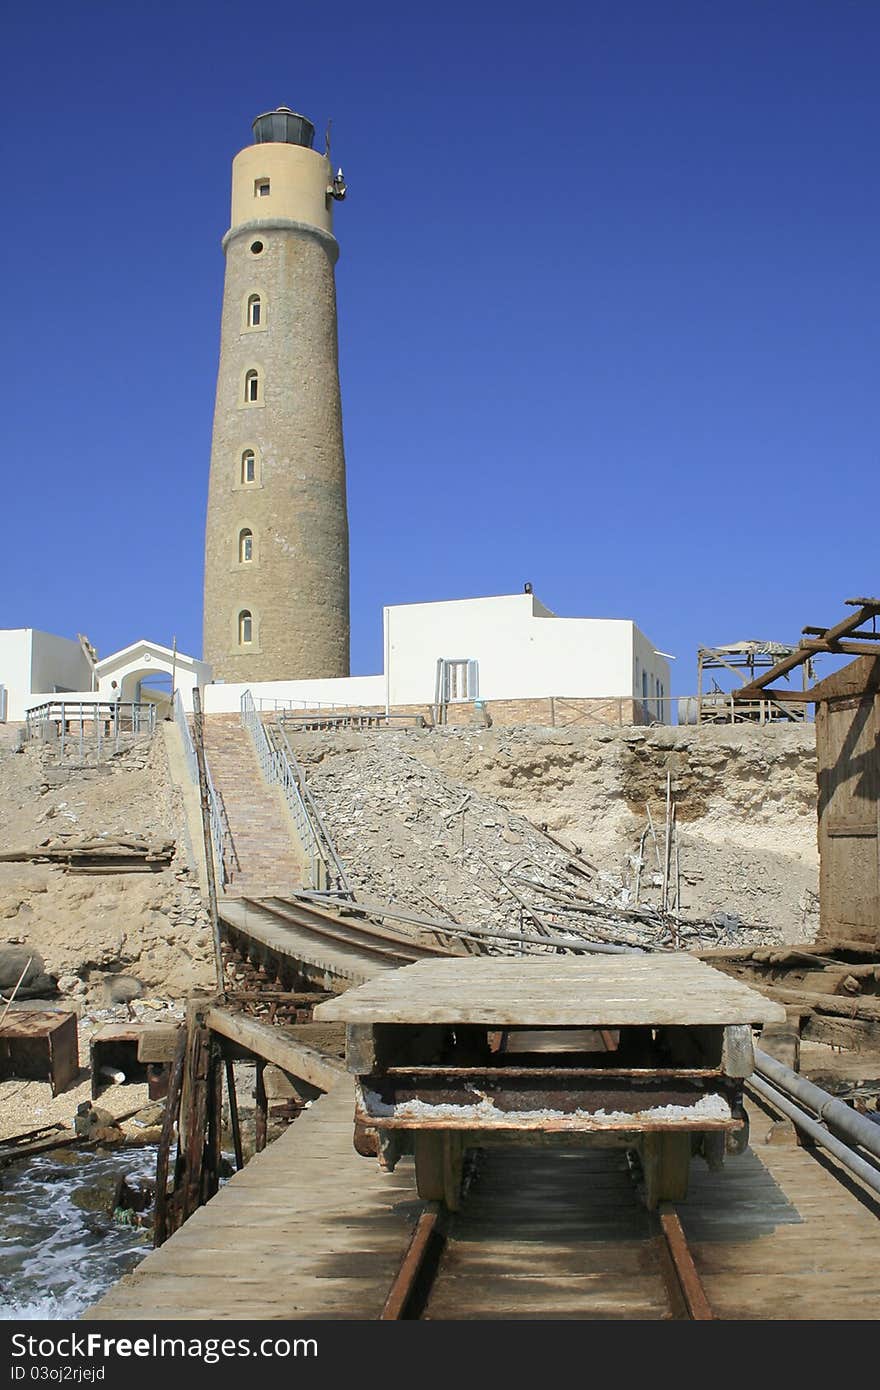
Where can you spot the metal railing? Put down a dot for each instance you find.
(620, 711)
(280, 768)
(99, 726)
(221, 836)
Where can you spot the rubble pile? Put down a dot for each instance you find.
(412, 835)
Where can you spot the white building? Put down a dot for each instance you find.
(522, 651)
(508, 652)
(33, 661)
(37, 667)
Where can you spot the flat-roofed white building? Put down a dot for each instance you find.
(507, 654)
(32, 661)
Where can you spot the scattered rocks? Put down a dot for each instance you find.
(71, 984)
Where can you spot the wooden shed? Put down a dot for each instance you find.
(848, 754)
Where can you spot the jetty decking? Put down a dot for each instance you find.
(308, 1229)
(311, 1230)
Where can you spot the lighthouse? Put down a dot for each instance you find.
(276, 540)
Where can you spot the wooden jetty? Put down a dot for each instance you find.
(305, 1230)
(308, 1230)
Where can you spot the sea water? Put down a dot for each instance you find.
(58, 1257)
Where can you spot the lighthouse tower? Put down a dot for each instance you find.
(276, 543)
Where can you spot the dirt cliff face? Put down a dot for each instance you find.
(584, 775)
(90, 928)
(745, 801)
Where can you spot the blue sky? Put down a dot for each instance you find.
(608, 304)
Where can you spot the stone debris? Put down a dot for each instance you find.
(408, 833)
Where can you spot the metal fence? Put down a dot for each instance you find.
(221, 836)
(615, 711)
(280, 767)
(99, 727)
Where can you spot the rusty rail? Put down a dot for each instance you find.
(412, 1283)
(411, 1287)
(687, 1297)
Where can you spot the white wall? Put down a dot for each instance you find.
(57, 661)
(219, 698)
(33, 660)
(15, 668)
(521, 653)
(648, 662)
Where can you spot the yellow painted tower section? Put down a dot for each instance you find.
(276, 540)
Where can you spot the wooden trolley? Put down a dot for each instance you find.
(644, 1052)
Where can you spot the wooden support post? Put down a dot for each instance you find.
(199, 745)
(666, 844)
(161, 1229)
(261, 1118)
(666, 1159)
(439, 1162)
(233, 1115)
(195, 1120)
(214, 1105)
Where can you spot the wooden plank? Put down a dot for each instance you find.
(846, 625)
(274, 1044)
(533, 992)
(157, 1042)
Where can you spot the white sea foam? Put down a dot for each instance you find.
(55, 1258)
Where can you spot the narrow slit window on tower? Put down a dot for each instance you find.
(245, 547)
(261, 188)
(251, 387)
(245, 628)
(248, 466)
(254, 311)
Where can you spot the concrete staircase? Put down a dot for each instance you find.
(270, 858)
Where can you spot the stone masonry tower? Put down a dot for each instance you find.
(276, 544)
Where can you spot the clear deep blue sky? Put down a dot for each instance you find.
(608, 304)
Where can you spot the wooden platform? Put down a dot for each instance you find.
(311, 1230)
(555, 991)
(308, 1229)
(777, 1235)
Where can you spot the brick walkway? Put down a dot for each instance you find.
(269, 856)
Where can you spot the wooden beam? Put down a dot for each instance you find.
(863, 613)
(782, 697)
(845, 647)
(276, 1045)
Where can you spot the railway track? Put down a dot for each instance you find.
(298, 942)
(564, 1235)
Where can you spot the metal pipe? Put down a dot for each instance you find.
(835, 1113)
(860, 1167)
